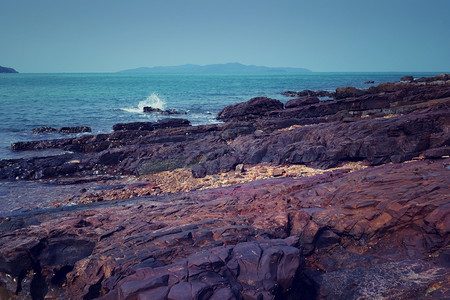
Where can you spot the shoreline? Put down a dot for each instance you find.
(306, 200)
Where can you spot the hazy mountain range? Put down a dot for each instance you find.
(216, 68)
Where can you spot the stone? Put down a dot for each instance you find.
(249, 110)
(44, 129)
(325, 235)
(240, 168)
(301, 102)
(407, 78)
(149, 109)
(63, 130)
(76, 129)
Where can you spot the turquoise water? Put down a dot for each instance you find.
(28, 101)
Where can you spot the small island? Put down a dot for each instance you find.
(7, 70)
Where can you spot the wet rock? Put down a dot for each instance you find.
(63, 130)
(149, 109)
(76, 129)
(44, 129)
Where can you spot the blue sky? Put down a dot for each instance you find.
(322, 35)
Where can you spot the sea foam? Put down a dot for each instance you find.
(153, 101)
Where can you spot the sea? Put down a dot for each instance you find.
(28, 101)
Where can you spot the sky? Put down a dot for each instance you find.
(49, 36)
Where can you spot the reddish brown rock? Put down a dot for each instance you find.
(382, 226)
(378, 232)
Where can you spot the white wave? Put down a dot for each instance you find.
(153, 101)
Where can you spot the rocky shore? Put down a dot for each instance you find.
(344, 197)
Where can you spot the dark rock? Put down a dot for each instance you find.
(437, 152)
(440, 77)
(369, 82)
(134, 126)
(63, 130)
(308, 93)
(160, 124)
(251, 109)
(198, 171)
(348, 92)
(149, 109)
(44, 129)
(77, 129)
(407, 78)
(391, 122)
(171, 123)
(301, 102)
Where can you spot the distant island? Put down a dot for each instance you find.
(7, 70)
(216, 68)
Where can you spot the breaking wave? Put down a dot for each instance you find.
(153, 101)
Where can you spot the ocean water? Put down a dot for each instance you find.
(28, 101)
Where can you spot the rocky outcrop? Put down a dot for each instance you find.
(63, 130)
(149, 126)
(307, 93)
(301, 102)
(375, 233)
(394, 124)
(149, 109)
(251, 109)
(380, 232)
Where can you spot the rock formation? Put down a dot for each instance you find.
(377, 233)
(149, 109)
(63, 130)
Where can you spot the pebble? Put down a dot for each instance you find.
(181, 180)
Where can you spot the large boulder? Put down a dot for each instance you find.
(253, 108)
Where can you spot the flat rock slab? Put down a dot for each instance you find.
(276, 238)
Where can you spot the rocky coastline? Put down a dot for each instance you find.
(332, 195)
